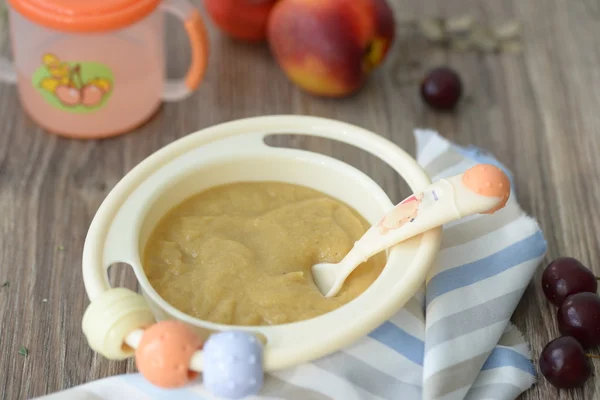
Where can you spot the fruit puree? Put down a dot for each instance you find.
(242, 253)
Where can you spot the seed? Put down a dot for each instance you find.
(459, 25)
(432, 29)
(483, 39)
(508, 30)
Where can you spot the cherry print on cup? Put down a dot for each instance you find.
(79, 87)
(403, 213)
(164, 354)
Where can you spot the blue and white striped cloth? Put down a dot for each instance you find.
(466, 348)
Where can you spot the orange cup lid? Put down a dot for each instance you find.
(84, 15)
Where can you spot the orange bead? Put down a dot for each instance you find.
(488, 180)
(164, 354)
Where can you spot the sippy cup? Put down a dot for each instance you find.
(96, 68)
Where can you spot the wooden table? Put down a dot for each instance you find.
(537, 112)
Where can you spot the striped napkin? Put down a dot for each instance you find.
(466, 348)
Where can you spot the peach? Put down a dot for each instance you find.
(329, 47)
(241, 19)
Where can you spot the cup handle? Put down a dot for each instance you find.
(178, 89)
(7, 71)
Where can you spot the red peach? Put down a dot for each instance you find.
(329, 47)
(241, 19)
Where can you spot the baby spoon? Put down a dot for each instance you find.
(483, 189)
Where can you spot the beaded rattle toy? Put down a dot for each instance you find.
(119, 324)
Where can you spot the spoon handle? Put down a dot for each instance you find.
(482, 189)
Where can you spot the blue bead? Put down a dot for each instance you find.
(233, 365)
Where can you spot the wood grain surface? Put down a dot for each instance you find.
(538, 112)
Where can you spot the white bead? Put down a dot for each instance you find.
(111, 317)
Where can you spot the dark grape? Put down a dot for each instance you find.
(566, 276)
(579, 316)
(564, 363)
(441, 89)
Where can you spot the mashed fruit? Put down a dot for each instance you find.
(242, 253)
